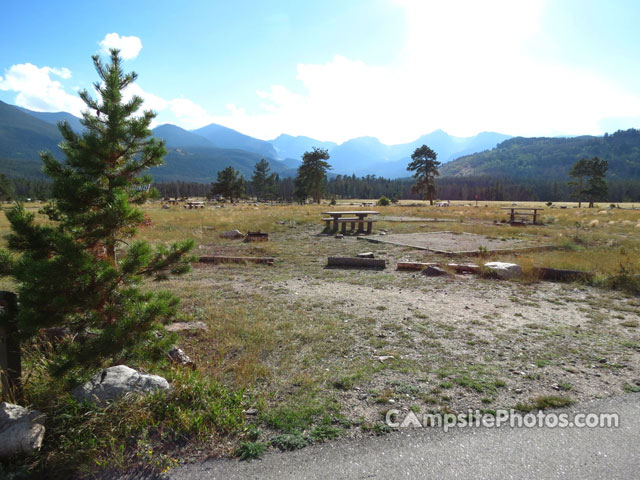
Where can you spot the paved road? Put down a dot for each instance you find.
(469, 453)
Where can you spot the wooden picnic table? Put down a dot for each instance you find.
(522, 211)
(350, 216)
(192, 205)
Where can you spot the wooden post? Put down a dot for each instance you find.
(10, 360)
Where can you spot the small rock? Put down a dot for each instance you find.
(433, 271)
(518, 391)
(384, 358)
(114, 382)
(366, 255)
(504, 270)
(602, 360)
(179, 326)
(251, 411)
(232, 234)
(20, 431)
(177, 355)
(166, 207)
(339, 235)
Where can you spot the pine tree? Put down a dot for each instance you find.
(596, 186)
(579, 172)
(229, 184)
(7, 192)
(264, 184)
(82, 269)
(312, 174)
(425, 165)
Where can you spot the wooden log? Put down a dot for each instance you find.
(226, 259)
(559, 275)
(356, 262)
(414, 266)
(464, 267)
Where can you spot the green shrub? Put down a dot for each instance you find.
(384, 201)
(289, 441)
(250, 450)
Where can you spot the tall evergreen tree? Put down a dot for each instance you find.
(579, 172)
(597, 186)
(425, 165)
(312, 174)
(229, 183)
(264, 183)
(7, 192)
(589, 182)
(82, 268)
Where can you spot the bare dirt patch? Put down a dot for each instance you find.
(452, 242)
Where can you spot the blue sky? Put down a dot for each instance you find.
(334, 70)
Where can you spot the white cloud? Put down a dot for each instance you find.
(129, 46)
(466, 66)
(36, 90)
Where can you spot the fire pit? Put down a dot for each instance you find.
(256, 237)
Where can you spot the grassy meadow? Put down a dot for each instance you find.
(296, 353)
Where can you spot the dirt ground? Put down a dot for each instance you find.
(452, 241)
(446, 344)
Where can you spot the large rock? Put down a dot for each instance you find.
(20, 431)
(504, 270)
(232, 234)
(433, 271)
(114, 382)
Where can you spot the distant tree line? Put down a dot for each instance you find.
(448, 188)
(587, 183)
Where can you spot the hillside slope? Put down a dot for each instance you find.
(551, 158)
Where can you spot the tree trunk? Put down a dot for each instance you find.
(10, 357)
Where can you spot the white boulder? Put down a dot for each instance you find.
(114, 382)
(504, 270)
(232, 234)
(20, 431)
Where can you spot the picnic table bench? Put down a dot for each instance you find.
(191, 205)
(343, 218)
(522, 211)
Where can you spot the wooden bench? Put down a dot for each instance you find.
(523, 211)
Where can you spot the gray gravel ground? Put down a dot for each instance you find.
(469, 453)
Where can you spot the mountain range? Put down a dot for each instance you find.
(198, 155)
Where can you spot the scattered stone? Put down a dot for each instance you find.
(251, 411)
(366, 255)
(177, 355)
(166, 207)
(339, 235)
(232, 234)
(602, 360)
(433, 271)
(503, 270)
(114, 382)
(384, 358)
(518, 391)
(180, 326)
(20, 431)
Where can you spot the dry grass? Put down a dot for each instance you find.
(304, 340)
